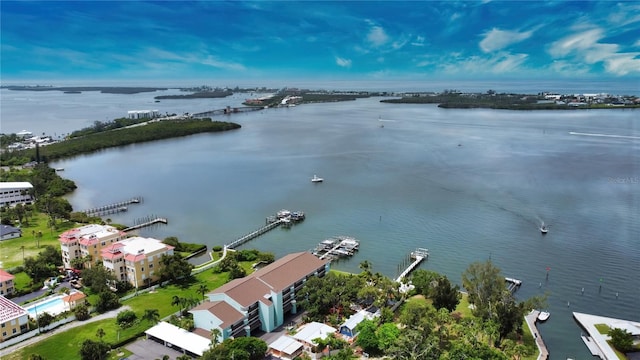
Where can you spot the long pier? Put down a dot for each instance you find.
(254, 234)
(158, 220)
(113, 208)
(419, 255)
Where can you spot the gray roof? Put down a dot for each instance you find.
(8, 229)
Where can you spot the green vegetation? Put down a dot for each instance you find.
(151, 131)
(183, 248)
(509, 101)
(198, 95)
(603, 328)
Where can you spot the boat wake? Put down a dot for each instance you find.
(605, 135)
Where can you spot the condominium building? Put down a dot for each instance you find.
(258, 301)
(86, 242)
(12, 193)
(14, 320)
(6, 283)
(135, 259)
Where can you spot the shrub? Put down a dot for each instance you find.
(126, 318)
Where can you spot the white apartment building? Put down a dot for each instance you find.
(12, 193)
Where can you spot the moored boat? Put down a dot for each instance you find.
(543, 316)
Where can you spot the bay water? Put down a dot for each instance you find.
(469, 185)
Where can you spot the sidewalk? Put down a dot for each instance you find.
(63, 328)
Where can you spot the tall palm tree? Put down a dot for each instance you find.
(151, 315)
(202, 289)
(215, 337)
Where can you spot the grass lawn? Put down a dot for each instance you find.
(529, 341)
(12, 251)
(463, 306)
(603, 328)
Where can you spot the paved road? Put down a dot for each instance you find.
(39, 293)
(71, 325)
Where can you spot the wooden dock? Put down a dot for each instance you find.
(531, 320)
(112, 208)
(158, 220)
(254, 234)
(419, 255)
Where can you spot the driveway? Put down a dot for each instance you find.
(144, 349)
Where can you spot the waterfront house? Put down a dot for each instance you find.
(7, 286)
(311, 331)
(348, 328)
(14, 319)
(9, 232)
(12, 193)
(258, 301)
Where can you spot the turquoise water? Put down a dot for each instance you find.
(44, 306)
(466, 184)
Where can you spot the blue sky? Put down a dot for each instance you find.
(348, 40)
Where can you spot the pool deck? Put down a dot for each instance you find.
(595, 341)
(531, 320)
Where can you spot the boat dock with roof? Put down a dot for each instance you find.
(337, 247)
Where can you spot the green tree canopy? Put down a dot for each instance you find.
(485, 285)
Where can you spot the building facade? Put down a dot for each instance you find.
(86, 243)
(135, 260)
(7, 286)
(258, 301)
(14, 320)
(12, 193)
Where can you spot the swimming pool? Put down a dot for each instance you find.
(52, 305)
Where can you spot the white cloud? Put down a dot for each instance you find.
(637, 43)
(377, 36)
(497, 39)
(193, 58)
(418, 41)
(585, 47)
(343, 62)
(500, 64)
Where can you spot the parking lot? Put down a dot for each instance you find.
(144, 349)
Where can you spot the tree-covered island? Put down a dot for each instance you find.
(454, 99)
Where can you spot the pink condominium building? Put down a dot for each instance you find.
(86, 242)
(135, 259)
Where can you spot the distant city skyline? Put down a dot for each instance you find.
(209, 41)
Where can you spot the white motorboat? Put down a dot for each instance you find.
(544, 229)
(316, 179)
(543, 316)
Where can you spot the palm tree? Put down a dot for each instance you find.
(177, 301)
(151, 315)
(215, 337)
(202, 289)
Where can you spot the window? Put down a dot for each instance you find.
(14, 330)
